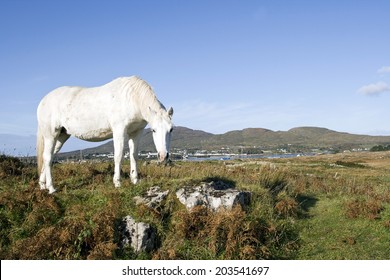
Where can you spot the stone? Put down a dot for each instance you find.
(140, 236)
(153, 197)
(213, 195)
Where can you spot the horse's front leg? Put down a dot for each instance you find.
(118, 155)
(133, 149)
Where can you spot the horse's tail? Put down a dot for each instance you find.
(40, 146)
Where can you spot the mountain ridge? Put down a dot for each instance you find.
(302, 138)
(297, 139)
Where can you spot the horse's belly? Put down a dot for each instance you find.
(95, 135)
(89, 132)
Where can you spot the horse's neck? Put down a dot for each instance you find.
(146, 105)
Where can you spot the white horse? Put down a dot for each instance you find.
(118, 109)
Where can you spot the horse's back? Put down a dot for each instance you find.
(90, 113)
(110, 93)
(59, 96)
(81, 111)
(93, 113)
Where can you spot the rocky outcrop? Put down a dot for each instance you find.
(140, 236)
(213, 195)
(153, 197)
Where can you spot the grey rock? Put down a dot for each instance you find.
(153, 197)
(213, 195)
(140, 236)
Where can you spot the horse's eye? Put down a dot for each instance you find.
(171, 130)
(153, 130)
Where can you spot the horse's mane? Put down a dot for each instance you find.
(140, 91)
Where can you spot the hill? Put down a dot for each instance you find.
(295, 139)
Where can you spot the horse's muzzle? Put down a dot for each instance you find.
(163, 157)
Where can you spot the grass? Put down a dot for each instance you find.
(332, 234)
(325, 207)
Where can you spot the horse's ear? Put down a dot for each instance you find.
(170, 112)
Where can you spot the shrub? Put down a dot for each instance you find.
(364, 207)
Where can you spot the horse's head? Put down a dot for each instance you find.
(161, 126)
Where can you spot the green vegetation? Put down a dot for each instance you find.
(380, 148)
(325, 207)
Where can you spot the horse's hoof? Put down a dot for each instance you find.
(42, 186)
(52, 190)
(134, 181)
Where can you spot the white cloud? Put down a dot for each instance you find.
(384, 69)
(374, 89)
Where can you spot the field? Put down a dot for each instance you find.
(323, 207)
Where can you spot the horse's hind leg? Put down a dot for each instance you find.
(42, 179)
(46, 177)
(61, 140)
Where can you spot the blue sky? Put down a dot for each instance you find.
(222, 65)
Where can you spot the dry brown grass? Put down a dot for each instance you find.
(367, 207)
(10, 166)
(79, 221)
(287, 207)
(226, 234)
(73, 238)
(51, 230)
